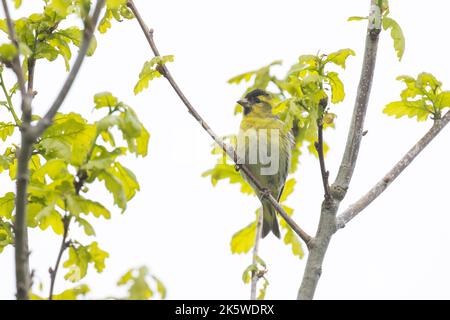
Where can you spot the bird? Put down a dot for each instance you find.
(260, 132)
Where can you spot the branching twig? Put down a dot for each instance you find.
(327, 223)
(64, 245)
(228, 149)
(382, 185)
(255, 276)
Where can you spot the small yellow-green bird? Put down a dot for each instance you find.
(264, 146)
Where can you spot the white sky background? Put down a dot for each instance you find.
(180, 226)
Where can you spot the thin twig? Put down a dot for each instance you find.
(64, 245)
(255, 276)
(353, 210)
(31, 68)
(320, 151)
(10, 106)
(228, 149)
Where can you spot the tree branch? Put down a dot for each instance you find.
(228, 149)
(29, 134)
(327, 225)
(382, 185)
(255, 276)
(23, 276)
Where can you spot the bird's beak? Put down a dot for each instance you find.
(243, 102)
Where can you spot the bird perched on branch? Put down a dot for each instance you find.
(264, 146)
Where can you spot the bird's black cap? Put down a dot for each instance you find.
(253, 95)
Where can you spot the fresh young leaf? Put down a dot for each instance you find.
(339, 57)
(7, 205)
(6, 130)
(418, 109)
(337, 87)
(396, 34)
(243, 240)
(150, 71)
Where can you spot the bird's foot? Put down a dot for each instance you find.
(265, 193)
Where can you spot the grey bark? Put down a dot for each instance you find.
(398, 168)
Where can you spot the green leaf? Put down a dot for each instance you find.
(121, 182)
(443, 100)
(263, 290)
(142, 142)
(6, 235)
(339, 57)
(97, 256)
(150, 71)
(78, 204)
(7, 205)
(337, 87)
(80, 257)
(45, 51)
(243, 240)
(92, 46)
(105, 99)
(226, 171)
(77, 263)
(290, 238)
(356, 18)
(44, 217)
(247, 275)
(115, 187)
(418, 109)
(396, 34)
(128, 179)
(6, 130)
(160, 287)
(115, 4)
(87, 227)
(69, 138)
(60, 7)
(7, 52)
(288, 189)
(72, 294)
(139, 288)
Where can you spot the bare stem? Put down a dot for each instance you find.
(255, 276)
(327, 223)
(323, 170)
(228, 149)
(10, 106)
(64, 245)
(398, 168)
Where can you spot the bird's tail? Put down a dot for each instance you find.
(270, 222)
